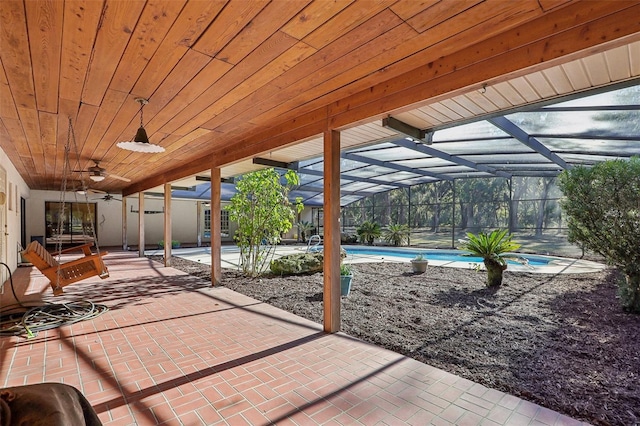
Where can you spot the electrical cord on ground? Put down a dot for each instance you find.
(13, 290)
(44, 317)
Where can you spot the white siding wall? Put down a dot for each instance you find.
(14, 185)
(184, 226)
(109, 219)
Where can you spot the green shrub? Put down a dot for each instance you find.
(174, 244)
(603, 205)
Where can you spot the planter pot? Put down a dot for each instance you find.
(419, 266)
(345, 284)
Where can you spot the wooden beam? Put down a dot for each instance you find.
(331, 231)
(216, 240)
(263, 142)
(516, 52)
(167, 224)
(188, 169)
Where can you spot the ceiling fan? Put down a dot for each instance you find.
(108, 197)
(98, 174)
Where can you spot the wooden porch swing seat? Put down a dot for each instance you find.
(63, 274)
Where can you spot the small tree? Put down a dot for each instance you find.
(262, 210)
(368, 232)
(493, 248)
(603, 205)
(396, 234)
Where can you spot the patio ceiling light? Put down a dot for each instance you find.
(140, 142)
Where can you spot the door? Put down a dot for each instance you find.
(4, 199)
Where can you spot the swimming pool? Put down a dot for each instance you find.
(538, 264)
(436, 254)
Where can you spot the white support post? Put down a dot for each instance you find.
(141, 224)
(216, 241)
(125, 245)
(167, 225)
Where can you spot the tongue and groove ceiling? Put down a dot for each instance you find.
(228, 81)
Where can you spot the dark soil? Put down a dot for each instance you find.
(561, 341)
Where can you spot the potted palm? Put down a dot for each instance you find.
(346, 276)
(419, 263)
(494, 249)
(368, 232)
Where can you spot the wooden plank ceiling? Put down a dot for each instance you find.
(227, 80)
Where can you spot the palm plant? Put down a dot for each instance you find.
(304, 228)
(368, 232)
(396, 234)
(493, 249)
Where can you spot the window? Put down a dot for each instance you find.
(207, 223)
(224, 223)
(77, 222)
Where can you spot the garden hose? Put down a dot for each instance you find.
(45, 317)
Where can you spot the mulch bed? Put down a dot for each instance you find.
(561, 341)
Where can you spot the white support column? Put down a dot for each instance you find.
(199, 223)
(216, 241)
(125, 245)
(167, 224)
(331, 231)
(141, 224)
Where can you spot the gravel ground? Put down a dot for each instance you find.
(561, 341)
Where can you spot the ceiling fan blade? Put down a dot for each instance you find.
(95, 191)
(119, 177)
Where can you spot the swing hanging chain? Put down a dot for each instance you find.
(62, 204)
(86, 199)
(71, 138)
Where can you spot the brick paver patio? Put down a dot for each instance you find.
(173, 350)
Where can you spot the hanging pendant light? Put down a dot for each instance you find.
(140, 142)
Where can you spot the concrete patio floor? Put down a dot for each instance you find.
(173, 350)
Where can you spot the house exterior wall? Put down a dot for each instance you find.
(184, 226)
(184, 223)
(14, 188)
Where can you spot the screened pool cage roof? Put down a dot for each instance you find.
(538, 141)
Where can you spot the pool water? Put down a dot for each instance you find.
(443, 255)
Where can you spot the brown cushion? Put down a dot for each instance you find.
(51, 404)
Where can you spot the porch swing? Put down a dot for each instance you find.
(90, 264)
